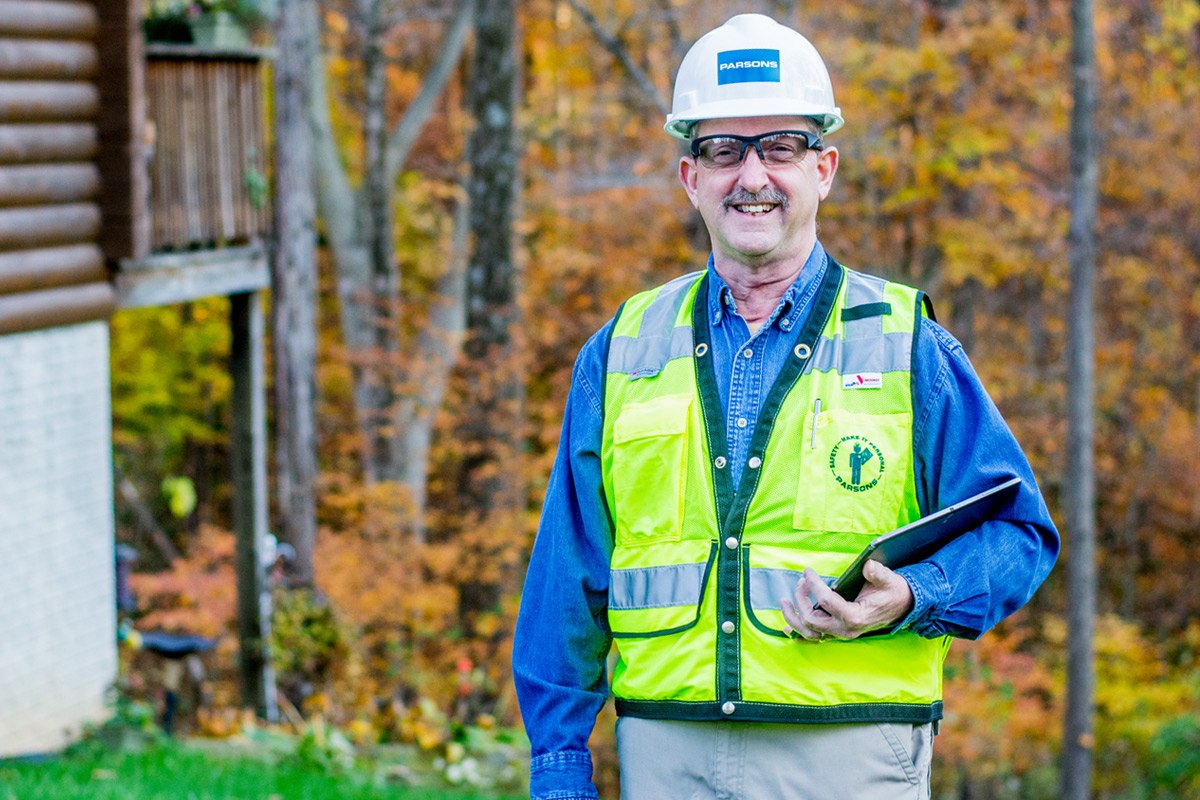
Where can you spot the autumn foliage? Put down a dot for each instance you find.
(953, 177)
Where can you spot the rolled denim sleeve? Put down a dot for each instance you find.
(562, 635)
(962, 446)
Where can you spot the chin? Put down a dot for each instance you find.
(752, 250)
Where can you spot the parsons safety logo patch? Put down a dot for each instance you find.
(747, 66)
(857, 463)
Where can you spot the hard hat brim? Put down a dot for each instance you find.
(680, 125)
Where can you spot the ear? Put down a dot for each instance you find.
(827, 164)
(688, 175)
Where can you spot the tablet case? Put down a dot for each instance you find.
(920, 539)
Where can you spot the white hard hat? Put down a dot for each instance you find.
(752, 67)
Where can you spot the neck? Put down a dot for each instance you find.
(758, 288)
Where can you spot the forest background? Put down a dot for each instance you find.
(953, 178)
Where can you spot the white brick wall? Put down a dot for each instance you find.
(57, 616)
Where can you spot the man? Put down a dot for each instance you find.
(730, 438)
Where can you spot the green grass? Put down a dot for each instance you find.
(175, 771)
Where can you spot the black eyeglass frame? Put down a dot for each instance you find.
(812, 141)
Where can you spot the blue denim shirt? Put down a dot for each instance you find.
(961, 446)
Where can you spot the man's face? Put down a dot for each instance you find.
(758, 215)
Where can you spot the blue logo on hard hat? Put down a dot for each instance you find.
(747, 66)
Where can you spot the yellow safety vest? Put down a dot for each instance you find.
(699, 565)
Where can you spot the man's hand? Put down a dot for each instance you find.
(817, 612)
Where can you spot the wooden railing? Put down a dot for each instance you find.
(207, 145)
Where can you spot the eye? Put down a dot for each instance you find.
(782, 148)
(722, 150)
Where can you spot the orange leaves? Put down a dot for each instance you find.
(1005, 695)
(999, 709)
(198, 594)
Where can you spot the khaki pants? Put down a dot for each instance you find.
(667, 760)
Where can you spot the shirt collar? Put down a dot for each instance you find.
(791, 305)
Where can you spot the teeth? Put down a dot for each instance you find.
(761, 208)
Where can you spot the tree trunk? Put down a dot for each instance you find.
(294, 291)
(491, 295)
(380, 367)
(491, 430)
(438, 344)
(1078, 737)
(337, 204)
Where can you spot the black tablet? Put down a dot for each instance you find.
(920, 539)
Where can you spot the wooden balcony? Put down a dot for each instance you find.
(130, 174)
(206, 144)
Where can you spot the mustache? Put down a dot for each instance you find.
(742, 197)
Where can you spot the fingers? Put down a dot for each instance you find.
(816, 612)
(797, 627)
(804, 613)
(879, 575)
(885, 600)
(827, 599)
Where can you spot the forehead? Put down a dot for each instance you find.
(750, 126)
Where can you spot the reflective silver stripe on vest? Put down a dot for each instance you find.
(648, 352)
(863, 290)
(656, 587)
(647, 355)
(884, 352)
(768, 585)
(664, 308)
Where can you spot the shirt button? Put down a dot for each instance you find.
(748, 353)
(719, 462)
(731, 543)
(728, 708)
(728, 626)
(755, 462)
(742, 422)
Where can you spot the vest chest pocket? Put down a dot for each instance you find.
(854, 472)
(649, 458)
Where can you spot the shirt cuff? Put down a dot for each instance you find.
(562, 775)
(931, 592)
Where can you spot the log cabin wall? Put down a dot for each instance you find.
(77, 143)
(52, 267)
(58, 650)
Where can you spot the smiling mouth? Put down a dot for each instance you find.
(754, 209)
(755, 204)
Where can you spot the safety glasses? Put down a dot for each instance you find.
(774, 149)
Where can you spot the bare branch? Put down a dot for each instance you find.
(338, 206)
(438, 345)
(404, 135)
(618, 51)
(679, 47)
(145, 517)
(785, 9)
(335, 195)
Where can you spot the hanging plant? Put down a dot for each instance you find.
(207, 23)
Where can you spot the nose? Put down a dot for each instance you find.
(752, 172)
